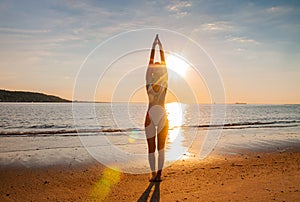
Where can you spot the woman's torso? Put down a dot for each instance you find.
(157, 83)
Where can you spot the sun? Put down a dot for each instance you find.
(177, 64)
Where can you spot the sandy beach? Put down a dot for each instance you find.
(264, 176)
(251, 161)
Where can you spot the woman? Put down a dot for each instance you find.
(156, 123)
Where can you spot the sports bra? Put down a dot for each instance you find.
(157, 74)
(156, 97)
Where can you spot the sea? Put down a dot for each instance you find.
(33, 132)
(56, 119)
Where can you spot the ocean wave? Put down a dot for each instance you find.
(250, 124)
(71, 132)
(45, 126)
(56, 131)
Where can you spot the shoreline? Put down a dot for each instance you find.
(250, 176)
(70, 150)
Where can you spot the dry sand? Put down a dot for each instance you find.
(248, 177)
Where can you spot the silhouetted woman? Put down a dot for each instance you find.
(156, 122)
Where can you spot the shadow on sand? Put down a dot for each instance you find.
(155, 195)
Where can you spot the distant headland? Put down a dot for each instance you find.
(23, 96)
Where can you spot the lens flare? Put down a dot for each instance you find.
(101, 188)
(133, 136)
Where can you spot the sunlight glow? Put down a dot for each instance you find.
(175, 114)
(176, 118)
(177, 64)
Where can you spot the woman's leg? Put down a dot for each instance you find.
(161, 141)
(151, 134)
(151, 157)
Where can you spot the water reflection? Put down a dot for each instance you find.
(178, 139)
(175, 111)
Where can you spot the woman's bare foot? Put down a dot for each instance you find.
(158, 176)
(153, 177)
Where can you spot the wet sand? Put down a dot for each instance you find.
(252, 176)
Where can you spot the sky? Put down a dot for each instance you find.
(254, 46)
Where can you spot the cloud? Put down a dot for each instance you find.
(217, 26)
(23, 31)
(278, 10)
(35, 39)
(243, 40)
(179, 8)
